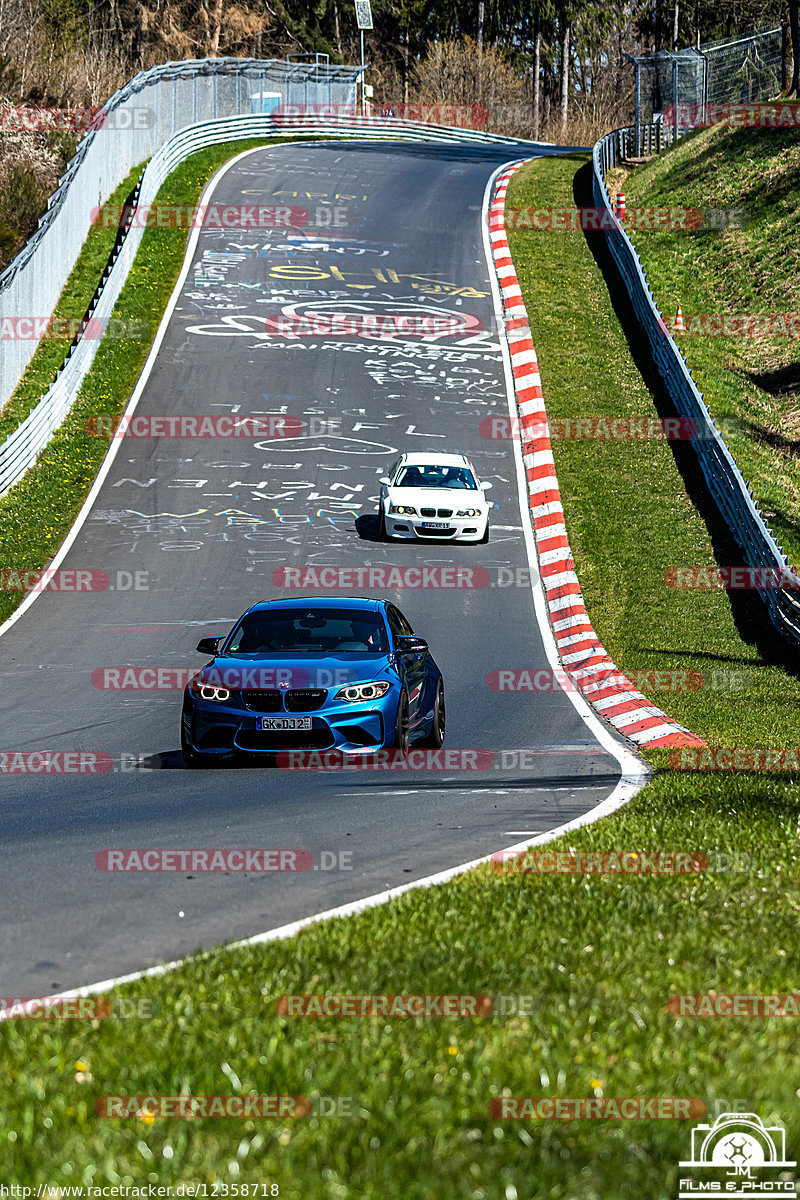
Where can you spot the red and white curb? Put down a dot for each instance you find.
(613, 695)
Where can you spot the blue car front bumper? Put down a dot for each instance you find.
(218, 728)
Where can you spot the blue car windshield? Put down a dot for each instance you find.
(306, 631)
(429, 476)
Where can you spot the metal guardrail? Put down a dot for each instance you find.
(725, 481)
(128, 130)
(22, 447)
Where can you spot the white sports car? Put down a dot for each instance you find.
(433, 496)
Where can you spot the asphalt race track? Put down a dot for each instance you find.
(201, 524)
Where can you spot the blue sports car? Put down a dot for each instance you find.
(347, 675)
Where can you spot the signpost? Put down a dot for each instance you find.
(364, 21)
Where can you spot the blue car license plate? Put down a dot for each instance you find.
(275, 724)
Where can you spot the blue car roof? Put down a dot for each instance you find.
(357, 603)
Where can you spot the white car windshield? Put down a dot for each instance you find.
(429, 475)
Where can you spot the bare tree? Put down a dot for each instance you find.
(794, 26)
(564, 64)
(537, 84)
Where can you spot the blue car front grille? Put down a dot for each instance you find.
(305, 699)
(267, 701)
(271, 700)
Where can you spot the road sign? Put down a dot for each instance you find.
(364, 14)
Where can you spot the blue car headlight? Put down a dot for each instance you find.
(362, 691)
(209, 691)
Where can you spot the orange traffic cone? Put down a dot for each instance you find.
(679, 325)
(620, 206)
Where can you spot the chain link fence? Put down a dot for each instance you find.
(131, 126)
(679, 88)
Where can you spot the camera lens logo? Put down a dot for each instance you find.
(736, 1155)
(742, 1150)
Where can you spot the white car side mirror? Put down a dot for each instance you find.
(485, 487)
(384, 479)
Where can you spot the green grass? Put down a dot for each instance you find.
(752, 384)
(600, 956)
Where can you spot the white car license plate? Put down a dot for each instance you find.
(435, 525)
(271, 724)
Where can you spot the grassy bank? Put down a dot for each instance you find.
(596, 958)
(751, 267)
(629, 515)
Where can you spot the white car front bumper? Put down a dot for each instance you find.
(419, 528)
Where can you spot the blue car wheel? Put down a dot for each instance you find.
(435, 735)
(402, 734)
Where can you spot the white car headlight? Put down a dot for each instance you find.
(209, 691)
(403, 509)
(468, 512)
(362, 691)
